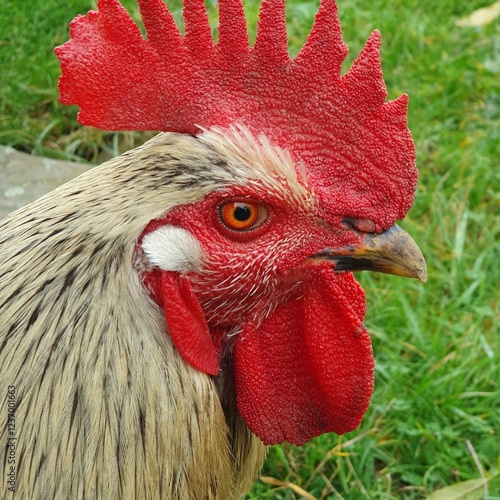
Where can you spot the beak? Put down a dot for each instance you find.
(391, 252)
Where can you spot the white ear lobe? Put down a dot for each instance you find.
(172, 248)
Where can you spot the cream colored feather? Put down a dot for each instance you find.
(106, 408)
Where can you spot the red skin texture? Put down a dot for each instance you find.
(308, 368)
(355, 147)
(186, 324)
(301, 370)
(302, 357)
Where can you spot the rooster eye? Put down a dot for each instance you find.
(242, 215)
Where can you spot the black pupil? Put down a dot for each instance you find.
(242, 213)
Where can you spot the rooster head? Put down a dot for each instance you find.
(312, 168)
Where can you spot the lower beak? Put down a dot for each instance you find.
(390, 252)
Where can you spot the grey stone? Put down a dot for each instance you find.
(24, 178)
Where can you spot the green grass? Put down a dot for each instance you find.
(435, 414)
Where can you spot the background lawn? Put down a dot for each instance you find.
(435, 414)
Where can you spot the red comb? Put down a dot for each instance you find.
(339, 127)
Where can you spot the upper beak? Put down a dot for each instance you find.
(391, 252)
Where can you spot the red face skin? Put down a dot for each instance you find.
(256, 265)
(302, 357)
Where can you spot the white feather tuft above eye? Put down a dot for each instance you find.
(172, 248)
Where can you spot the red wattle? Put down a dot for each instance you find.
(308, 368)
(187, 325)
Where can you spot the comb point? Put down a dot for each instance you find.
(198, 34)
(233, 33)
(161, 30)
(271, 41)
(324, 50)
(397, 109)
(114, 20)
(364, 81)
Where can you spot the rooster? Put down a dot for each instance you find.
(170, 313)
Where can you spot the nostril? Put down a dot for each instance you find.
(361, 225)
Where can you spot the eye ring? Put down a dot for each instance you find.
(242, 215)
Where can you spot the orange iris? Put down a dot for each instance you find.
(242, 215)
